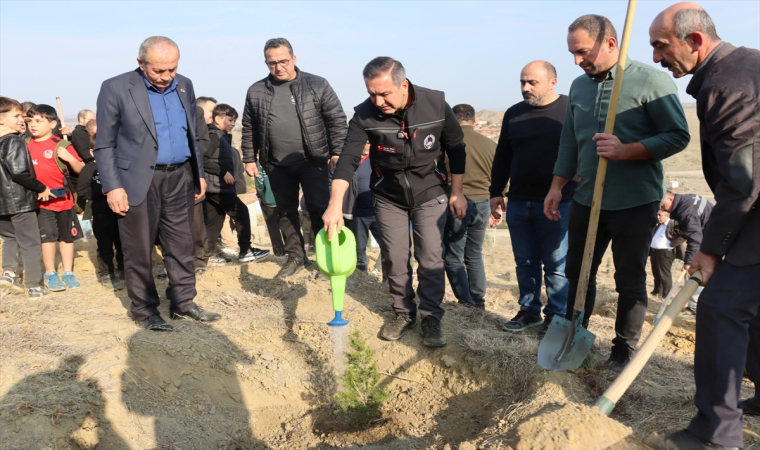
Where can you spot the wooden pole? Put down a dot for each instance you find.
(60, 112)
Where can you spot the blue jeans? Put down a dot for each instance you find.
(537, 240)
(463, 241)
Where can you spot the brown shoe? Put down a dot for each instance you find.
(395, 330)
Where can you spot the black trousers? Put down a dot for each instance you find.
(200, 258)
(218, 206)
(166, 214)
(285, 181)
(105, 227)
(272, 219)
(630, 231)
(662, 262)
(309, 233)
(728, 340)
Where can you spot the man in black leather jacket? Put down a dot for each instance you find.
(293, 124)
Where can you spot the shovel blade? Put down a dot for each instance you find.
(554, 342)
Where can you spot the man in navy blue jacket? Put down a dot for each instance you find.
(151, 169)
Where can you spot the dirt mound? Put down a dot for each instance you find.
(571, 426)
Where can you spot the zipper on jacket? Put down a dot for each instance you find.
(408, 164)
(309, 146)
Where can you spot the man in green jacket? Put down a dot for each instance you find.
(650, 126)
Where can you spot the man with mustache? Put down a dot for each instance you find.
(525, 157)
(650, 126)
(726, 85)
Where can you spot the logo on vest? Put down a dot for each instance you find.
(429, 141)
(383, 148)
(48, 154)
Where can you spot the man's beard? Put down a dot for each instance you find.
(532, 99)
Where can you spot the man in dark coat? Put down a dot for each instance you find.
(726, 86)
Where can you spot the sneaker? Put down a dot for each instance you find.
(228, 253)
(395, 330)
(523, 320)
(12, 283)
(37, 292)
(252, 254)
(616, 362)
(52, 282)
(70, 280)
(432, 336)
(291, 266)
(218, 260)
(544, 328)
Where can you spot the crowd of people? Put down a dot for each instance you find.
(156, 167)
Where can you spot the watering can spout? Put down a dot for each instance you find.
(336, 258)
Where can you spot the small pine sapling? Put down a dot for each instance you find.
(360, 398)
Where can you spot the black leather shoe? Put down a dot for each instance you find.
(198, 314)
(751, 406)
(681, 440)
(156, 323)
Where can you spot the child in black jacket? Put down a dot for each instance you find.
(104, 226)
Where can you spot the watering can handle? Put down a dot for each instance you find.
(334, 243)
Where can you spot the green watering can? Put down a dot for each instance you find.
(337, 260)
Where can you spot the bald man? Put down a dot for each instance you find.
(525, 157)
(726, 85)
(80, 138)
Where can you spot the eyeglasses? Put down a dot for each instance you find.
(282, 62)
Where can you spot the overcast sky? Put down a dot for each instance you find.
(473, 51)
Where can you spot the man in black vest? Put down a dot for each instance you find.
(409, 128)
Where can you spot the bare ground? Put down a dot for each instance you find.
(77, 373)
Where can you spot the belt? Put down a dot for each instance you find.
(168, 167)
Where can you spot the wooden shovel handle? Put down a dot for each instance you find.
(601, 171)
(60, 112)
(618, 387)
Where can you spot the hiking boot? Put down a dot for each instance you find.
(70, 280)
(12, 283)
(522, 321)
(751, 406)
(291, 266)
(681, 440)
(52, 282)
(617, 362)
(432, 336)
(252, 254)
(395, 330)
(545, 327)
(37, 292)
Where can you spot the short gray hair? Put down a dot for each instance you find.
(382, 65)
(687, 21)
(152, 42)
(278, 42)
(598, 27)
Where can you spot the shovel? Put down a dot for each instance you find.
(607, 401)
(667, 299)
(336, 259)
(567, 343)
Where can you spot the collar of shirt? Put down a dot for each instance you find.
(172, 86)
(699, 76)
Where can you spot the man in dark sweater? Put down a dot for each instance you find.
(463, 238)
(525, 157)
(80, 137)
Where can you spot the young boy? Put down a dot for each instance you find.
(54, 159)
(104, 226)
(19, 192)
(224, 180)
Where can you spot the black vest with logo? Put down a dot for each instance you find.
(405, 151)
